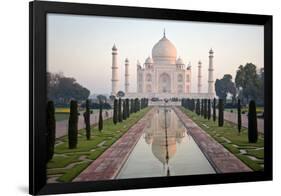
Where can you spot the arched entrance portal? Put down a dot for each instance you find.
(164, 83)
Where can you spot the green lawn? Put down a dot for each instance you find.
(68, 163)
(252, 154)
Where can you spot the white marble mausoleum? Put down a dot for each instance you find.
(163, 75)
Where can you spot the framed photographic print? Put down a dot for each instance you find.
(131, 97)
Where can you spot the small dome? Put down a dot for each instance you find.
(179, 61)
(164, 50)
(126, 60)
(211, 51)
(149, 60)
(114, 47)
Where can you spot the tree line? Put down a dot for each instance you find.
(248, 85)
(62, 89)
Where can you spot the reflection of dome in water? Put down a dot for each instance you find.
(159, 149)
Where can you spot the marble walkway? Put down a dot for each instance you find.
(62, 126)
(220, 158)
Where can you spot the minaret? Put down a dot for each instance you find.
(211, 76)
(199, 76)
(115, 74)
(126, 75)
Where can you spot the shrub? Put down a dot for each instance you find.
(115, 111)
(252, 123)
(51, 130)
(214, 110)
(221, 118)
(239, 116)
(73, 125)
(87, 115)
(100, 117)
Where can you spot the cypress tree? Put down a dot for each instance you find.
(100, 117)
(209, 109)
(221, 118)
(132, 106)
(198, 107)
(127, 108)
(115, 111)
(73, 125)
(239, 116)
(124, 110)
(192, 105)
(120, 110)
(135, 105)
(87, 115)
(252, 123)
(51, 130)
(205, 108)
(214, 110)
(202, 107)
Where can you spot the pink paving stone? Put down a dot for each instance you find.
(221, 159)
(107, 166)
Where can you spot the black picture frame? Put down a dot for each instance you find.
(37, 51)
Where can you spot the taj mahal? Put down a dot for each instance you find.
(163, 75)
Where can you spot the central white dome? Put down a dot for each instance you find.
(164, 51)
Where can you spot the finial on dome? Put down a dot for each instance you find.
(164, 33)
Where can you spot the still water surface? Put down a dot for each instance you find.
(165, 149)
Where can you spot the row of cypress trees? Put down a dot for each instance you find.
(122, 108)
(203, 107)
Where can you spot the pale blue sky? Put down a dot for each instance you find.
(80, 46)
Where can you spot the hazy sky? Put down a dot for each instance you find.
(80, 46)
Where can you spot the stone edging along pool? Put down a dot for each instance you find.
(108, 165)
(220, 158)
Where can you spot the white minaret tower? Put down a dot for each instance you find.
(199, 76)
(211, 73)
(126, 76)
(115, 74)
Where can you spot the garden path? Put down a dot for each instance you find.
(221, 159)
(62, 126)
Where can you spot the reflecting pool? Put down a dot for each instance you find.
(165, 149)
